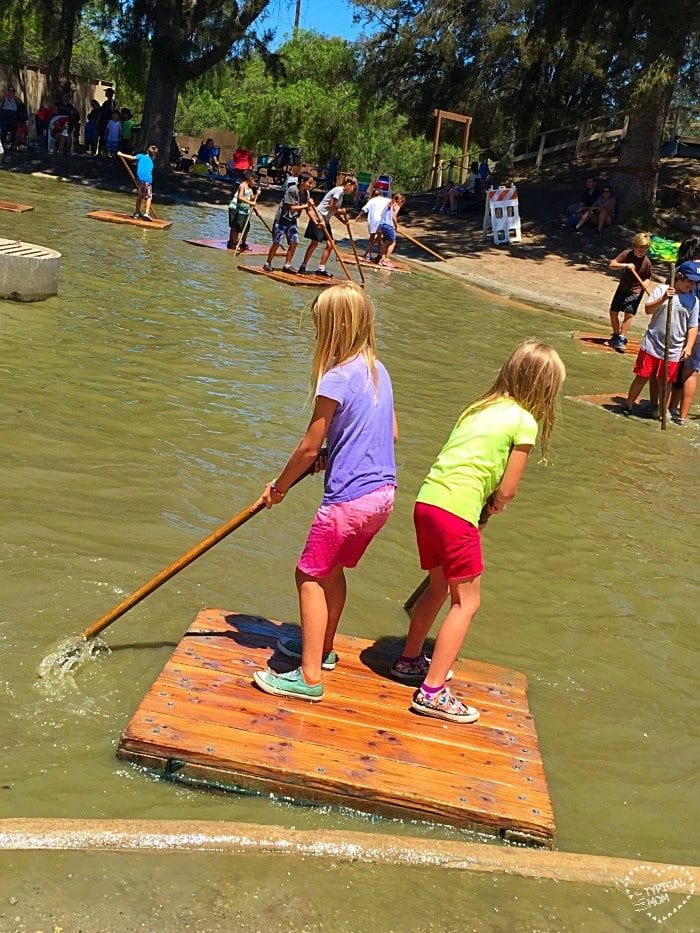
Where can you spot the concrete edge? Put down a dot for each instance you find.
(30, 834)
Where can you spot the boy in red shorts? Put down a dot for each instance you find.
(683, 331)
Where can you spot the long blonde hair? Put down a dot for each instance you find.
(344, 319)
(532, 376)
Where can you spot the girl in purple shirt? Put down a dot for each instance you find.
(354, 413)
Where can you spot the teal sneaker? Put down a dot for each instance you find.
(291, 646)
(291, 684)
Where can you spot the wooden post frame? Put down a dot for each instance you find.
(466, 122)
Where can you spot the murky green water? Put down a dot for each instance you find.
(152, 399)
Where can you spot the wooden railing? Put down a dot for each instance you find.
(574, 146)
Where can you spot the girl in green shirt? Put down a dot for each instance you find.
(475, 476)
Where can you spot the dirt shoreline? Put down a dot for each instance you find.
(551, 268)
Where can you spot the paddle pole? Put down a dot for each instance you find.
(184, 561)
(354, 249)
(667, 340)
(421, 245)
(641, 282)
(425, 582)
(260, 217)
(136, 184)
(320, 222)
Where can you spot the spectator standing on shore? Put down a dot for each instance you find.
(12, 113)
(635, 265)
(91, 127)
(106, 111)
(127, 141)
(113, 134)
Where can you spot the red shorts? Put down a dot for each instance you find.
(647, 366)
(448, 541)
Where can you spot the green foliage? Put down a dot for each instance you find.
(313, 98)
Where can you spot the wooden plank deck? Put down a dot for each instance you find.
(117, 217)
(254, 249)
(599, 342)
(14, 207)
(397, 265)
(204, 721)
(289, 278)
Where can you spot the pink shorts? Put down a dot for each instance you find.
(340, 533)
(448, 541)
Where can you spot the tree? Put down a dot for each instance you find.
(185, 39)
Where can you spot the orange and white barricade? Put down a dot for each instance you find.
(501, 215)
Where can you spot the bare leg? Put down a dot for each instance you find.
(309, 252)
(690, 385)
(654, 391)
(148, 205)
(424, 613)
(271, 253)
(291, 250)
(321, 604)
(626, 322)
(465, 596)
(638, 384)
(325, 255)
(615, 321)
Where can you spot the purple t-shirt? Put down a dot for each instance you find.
(361, 432)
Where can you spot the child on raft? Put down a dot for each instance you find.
(636, 273)
(373, 211)
(388, 228)
(354, 411)
(242, 203)
(330, 206)
(476, 473)
(649, 365)
(284, 226)
(144, 179)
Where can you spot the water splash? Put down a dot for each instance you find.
(57, 671)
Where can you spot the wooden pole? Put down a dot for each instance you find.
(28, 834)
(260, 217)
(465, 151)
(436, 146)
(638, 278)
(422, 245)
(136, 184)
(184, 561)
(357, 258)
(667, 339)
(320, 222)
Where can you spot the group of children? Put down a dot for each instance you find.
(474, 476)
(673, 308)
(380, 212)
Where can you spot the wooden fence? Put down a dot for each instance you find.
(581, 138)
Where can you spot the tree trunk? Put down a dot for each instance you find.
(636, 174)
(59, 65)
(159, 114)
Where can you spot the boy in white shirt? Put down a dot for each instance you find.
(331, 205)
(373, 212)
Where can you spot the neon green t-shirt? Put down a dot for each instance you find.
(471, 464)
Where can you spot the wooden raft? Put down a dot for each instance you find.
(14, 207)
(599, 342)
(115, 217)
(203, 721)
(254, 249)
(289, 278)
(397, 265)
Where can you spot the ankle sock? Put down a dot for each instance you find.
(431, 692)
(321, 269)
